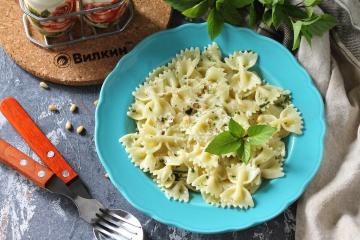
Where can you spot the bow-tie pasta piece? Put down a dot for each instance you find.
(242, 119)
(159, 85)
(210, 57)
(272, 109)
(193, 173)
(185, 62)
(200, 182)
(130, 140)
(168, 80)
(203, 159)
(237, 195)
(155, 73)
(277, 145)
(269, 164)
(248, 107)
(178, 158)
(137, 111)
(291, 120)
(148, 164)
(181, 99)
(214, 74)
(149, 128)
(164, 176)
(269, 120)
(178, 191)
(140, 156)
(140, 93)
(244, 80)
(213, 185)
(134, 147)
(241, 60)
(211, 199)
(266, 95)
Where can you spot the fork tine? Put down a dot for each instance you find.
(103, 234)
(107, 234)
(118, 217)
(106, 218)
(114, 230)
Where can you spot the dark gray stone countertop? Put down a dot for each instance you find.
(27, 212)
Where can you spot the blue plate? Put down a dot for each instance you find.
(277, 66)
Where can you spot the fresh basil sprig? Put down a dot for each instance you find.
(300, 17)
(239, 141)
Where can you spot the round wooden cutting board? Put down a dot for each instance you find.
(84, 63)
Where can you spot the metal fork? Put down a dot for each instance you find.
(107, 223)
(117, 224)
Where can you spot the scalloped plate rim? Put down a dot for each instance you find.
(291, 199)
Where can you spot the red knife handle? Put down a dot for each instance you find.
(23, 164)
(36, 139)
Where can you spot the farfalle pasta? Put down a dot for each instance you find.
(182, 105)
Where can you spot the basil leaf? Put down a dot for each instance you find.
(198, 10)
(259, 134)
(278, 2)
(244, 152)
(307, 34)
(272, 2)
(278, 16)
(236, 129)
(240, 3)
(182, 5)
(219, 4)
(266, 1)
(309, 11)
(267, 17)
(223, 143)
(215, 23)
(320, 24)
(297, 36)
(315, 25)
(252, 15)
(295, 12)
(229, 12)
(311, 3)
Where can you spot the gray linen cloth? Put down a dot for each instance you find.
(330, 207)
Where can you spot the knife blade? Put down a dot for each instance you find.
(77, 186)
(88, 208)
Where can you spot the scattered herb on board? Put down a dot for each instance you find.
(238, 140)
(300, 17)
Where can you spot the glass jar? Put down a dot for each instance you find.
(104, 18)
(51, 8)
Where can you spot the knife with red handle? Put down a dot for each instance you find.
(41, 145)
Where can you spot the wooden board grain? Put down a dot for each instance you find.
(85, 63)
